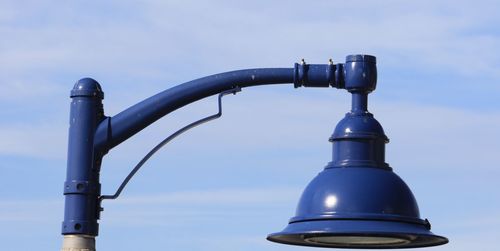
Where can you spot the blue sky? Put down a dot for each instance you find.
(227, 184)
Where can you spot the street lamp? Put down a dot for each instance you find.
(355, 202)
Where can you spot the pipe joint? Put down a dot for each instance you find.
(318, 75)
(81, 187)
(360, 73)
(90, 228)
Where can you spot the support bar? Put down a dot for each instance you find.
(114, 130)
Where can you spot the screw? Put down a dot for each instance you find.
(427, 224)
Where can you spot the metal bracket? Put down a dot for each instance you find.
(314, 75)
(167, 140)
(80, 187)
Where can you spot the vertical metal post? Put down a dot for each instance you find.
(82, 187)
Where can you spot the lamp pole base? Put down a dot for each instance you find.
(78, 243)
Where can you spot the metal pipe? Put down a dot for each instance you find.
(114, 130)
(359, 102)
(92, 134)
(82, 175)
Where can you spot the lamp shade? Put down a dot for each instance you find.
(358, 207)
(357, 201)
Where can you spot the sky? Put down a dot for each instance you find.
(229, 183)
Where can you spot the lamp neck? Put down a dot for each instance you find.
(359, 102)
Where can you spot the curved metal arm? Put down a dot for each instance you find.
(92, 135)
(114, 130)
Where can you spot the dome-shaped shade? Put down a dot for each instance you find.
(358, 207)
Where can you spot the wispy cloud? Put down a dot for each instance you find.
(38, 140)
(23, 211)
(229, 196)
(430, 34)
(180, 205)
(195, 207)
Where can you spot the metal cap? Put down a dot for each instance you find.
(87, 87)
(361, 58)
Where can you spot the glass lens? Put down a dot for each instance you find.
(356, 240)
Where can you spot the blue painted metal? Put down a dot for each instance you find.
(318, 75)
(360, 73)
(120, 127)
(355, 202)
(92, 134)
(166, 141)
(82, 177)
(357, 196)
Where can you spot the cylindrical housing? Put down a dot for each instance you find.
(359, 152)
(358, 140)
(82, 187)
(360, 73)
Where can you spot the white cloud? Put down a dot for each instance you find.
(31, 210)
(180, 204)
(27, 90)
(446, 137)
(229, 196)
(43, 141)
(158, 36)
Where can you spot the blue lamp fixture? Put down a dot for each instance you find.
(357, 201)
